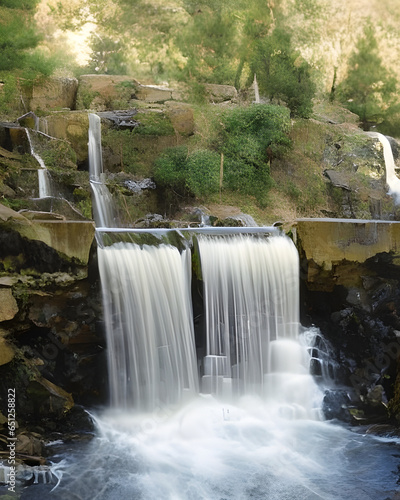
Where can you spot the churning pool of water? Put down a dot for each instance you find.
(208, 451)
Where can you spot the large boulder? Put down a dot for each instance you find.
(71, 126)
(181, 116)
(53, 93)
(8, 305)
(62, 241)
(154, 93)
(105, 92)
(220, 93)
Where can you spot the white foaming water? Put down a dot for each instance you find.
(209, 451)
(149, 323)
(392, 180)
(103, 211)
(251, 296)
(43, 173)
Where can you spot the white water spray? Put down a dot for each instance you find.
(103, 211)
(392, 180)
(43, 173)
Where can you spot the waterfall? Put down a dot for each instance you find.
(150, 338)
(103, 211)
(392, 180)
(251, 302)
(251, 295)
(43, 173)
(250, 281)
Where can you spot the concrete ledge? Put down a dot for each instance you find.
(328, 241)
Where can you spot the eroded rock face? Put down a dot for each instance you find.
(50, 308)
(105, 92)
(25, 241)
(350, 274)
(220, 93)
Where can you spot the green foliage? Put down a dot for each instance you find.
(203, 172)
(209, 44)
(19, 4)
(85, 97)
(153, 123)
(282, 74)
(9, 93)
(269, 124)
(369, 90)
(250, 136)
(19, 38)
(187, 174)
(16, 36)
(244, 136)
(171, 169)
(108, 56)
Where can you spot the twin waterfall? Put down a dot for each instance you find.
(245, 340)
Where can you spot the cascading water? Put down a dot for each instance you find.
(392, 180)
(103, 211)
(149, 324)
(251, 295)
(43, 173)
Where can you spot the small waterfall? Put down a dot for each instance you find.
(103, 211)
(43, 174)
(149, 323)
(392, 180)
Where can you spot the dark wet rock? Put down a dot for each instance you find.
(336, 404)
(122, 119)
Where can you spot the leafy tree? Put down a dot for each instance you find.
(282, 74)
(17, 33)
(209, 43)
(368, 90)
(19, 39)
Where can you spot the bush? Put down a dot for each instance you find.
(268, 124)
(250, 136)
(171, 169)
(203, 172)
(247, 137)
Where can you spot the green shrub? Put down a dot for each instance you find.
(250, 136)
(9, 93)
(244, 136)
(203, 172)
(171, 169)
(188, 174)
